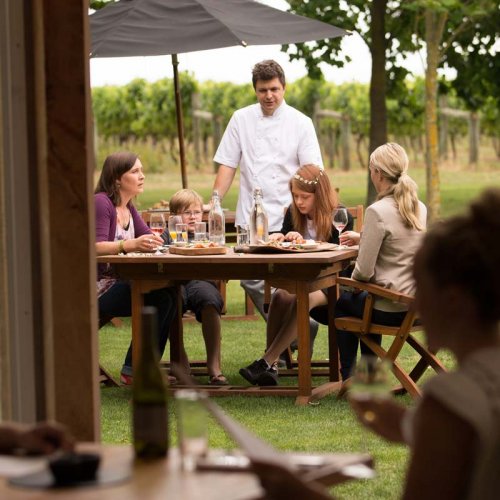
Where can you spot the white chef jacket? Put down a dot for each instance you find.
(268, 150)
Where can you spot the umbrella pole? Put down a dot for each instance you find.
(180, 125)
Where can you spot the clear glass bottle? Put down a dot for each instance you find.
(149, 396)
(216, 221)
(258, 219)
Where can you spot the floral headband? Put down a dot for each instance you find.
(306, 181)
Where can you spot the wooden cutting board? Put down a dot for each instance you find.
(197, 251)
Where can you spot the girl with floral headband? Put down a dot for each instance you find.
(308, 217)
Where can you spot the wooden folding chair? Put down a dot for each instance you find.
(363, 327)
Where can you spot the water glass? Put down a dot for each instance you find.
(200, 231)
(182, 233)
(192, 427)
(242, 236)
(173, 220)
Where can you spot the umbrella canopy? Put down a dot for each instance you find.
(161, 27)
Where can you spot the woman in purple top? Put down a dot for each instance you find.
(119, 230)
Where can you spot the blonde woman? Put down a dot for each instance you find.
(392, 232)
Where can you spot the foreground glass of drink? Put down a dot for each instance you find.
(192, 428)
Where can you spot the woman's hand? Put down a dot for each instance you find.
(276, 237)
(294, 236)
(382, 416)
(349, 238)
(147, 243)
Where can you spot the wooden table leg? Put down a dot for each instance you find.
(177, 351)
(333, 349)
(137, 305)
(304, 360)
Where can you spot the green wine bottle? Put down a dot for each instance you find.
(149, 396)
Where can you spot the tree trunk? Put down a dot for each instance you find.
(434, 27)
(378, 110)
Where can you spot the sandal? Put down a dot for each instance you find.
(218, 380)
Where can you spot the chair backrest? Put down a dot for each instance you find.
(357, 213)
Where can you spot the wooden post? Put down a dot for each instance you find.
(217, 125)
(195, 104)
(345, 124)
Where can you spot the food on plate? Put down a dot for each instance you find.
(203, 244)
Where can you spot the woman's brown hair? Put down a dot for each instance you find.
(115, 165)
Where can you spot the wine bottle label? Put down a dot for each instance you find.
(150, 424)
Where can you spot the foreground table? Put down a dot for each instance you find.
(160, 479)
(298, 273)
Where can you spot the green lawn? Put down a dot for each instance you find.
(329, 426)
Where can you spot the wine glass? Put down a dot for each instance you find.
(340, 219)
(157, 225)
(370, 381)
(173, 220)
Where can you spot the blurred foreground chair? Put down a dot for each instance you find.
(401, 335)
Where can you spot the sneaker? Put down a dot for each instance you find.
(269, 377)
(260, 373)
(253, 371)
(125, 379)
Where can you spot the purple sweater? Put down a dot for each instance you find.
(105, 221)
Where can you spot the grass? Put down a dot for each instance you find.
(329, 426)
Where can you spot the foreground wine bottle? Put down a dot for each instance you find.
(149, 396)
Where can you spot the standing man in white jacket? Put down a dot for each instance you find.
(268, 141)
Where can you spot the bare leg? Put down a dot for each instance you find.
(280, 308)
(283, 335)
(210, 326)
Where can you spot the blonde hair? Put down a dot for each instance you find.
(183, 199)
(392, 162)
(312, 179)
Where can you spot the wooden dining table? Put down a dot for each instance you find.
(297, 273)
(162, 478)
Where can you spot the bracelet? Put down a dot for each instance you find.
(121, 247)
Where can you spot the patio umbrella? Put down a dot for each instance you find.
(162, 27)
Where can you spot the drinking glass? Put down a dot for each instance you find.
(173, 220)
(182, 233)
(192, 427)
(200, 231)
(340, 219)
(370, 381)
(242, 235)
(157, 225)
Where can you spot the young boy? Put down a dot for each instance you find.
(201, 297)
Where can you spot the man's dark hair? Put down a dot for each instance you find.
(267, 70)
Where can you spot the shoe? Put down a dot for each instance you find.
(260, 373)
(269, 377)
(218, 380)
(126, 379)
